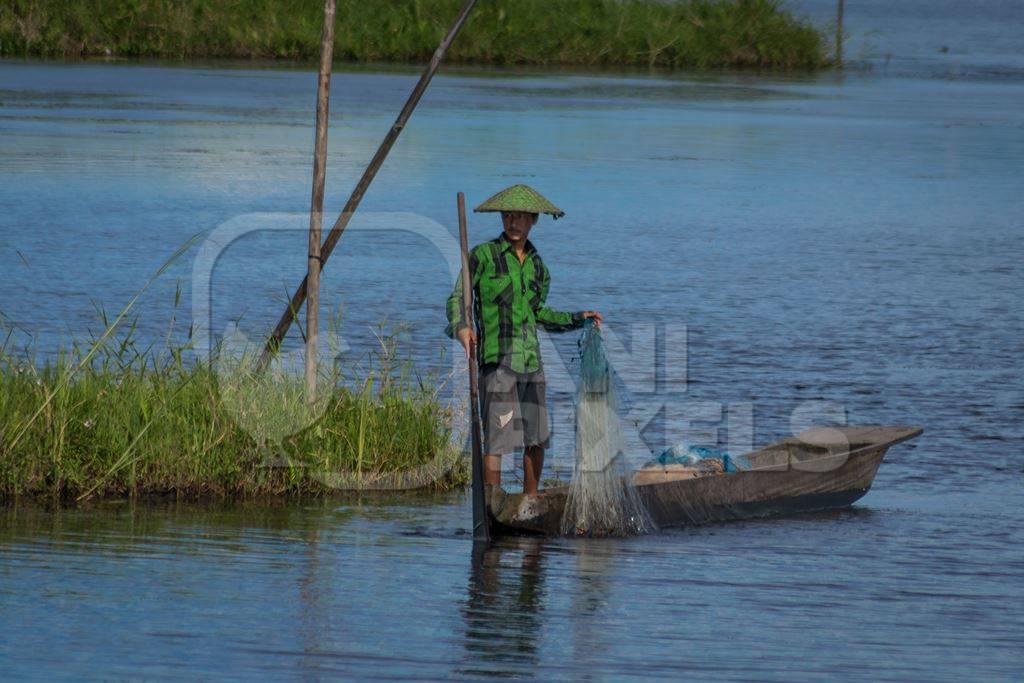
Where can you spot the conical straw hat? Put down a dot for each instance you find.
(520, 198)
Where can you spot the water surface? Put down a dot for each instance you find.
(841, 247)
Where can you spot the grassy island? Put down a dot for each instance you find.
(680, 34)
(130, 423)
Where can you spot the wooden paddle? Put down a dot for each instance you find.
(481, 524)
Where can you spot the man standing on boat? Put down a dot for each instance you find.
(510, 288)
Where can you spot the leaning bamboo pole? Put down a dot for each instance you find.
(316, 208)
(274, 342)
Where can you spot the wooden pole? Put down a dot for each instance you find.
(316, 208)
(839, 33)
(481, 525)
(274, 342)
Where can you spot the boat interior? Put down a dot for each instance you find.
(813, 449)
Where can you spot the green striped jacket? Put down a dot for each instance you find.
(509, 303)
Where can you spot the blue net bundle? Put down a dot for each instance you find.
(701, 457)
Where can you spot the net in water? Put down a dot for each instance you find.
(602, 500)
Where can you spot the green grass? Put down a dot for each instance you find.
(687, 33)
(131, 422)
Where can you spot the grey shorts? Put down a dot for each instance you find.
(514, 409)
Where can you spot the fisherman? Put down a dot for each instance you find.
(510, 287)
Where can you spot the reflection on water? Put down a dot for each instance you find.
(395, 587)
(504, 608)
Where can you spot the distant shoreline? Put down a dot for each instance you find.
(689, 34)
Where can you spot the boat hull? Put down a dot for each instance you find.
(820, 469)
(761, 493)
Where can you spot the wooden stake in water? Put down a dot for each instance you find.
(839, 33)
(481, 525)
(316, 209)
(274, 342)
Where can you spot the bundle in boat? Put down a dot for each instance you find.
(602, 500)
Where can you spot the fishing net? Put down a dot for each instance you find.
(602, 500)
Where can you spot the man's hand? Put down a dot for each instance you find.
(595, 315)
(467, 337)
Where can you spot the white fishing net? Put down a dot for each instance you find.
(602, 500)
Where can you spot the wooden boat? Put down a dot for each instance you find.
(826, 467)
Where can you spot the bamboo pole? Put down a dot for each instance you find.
(839, 33)
(274, 342)
(481, 526)
(316, 209)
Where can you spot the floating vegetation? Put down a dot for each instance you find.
(110, 419)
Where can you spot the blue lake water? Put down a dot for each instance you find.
(841, 247)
